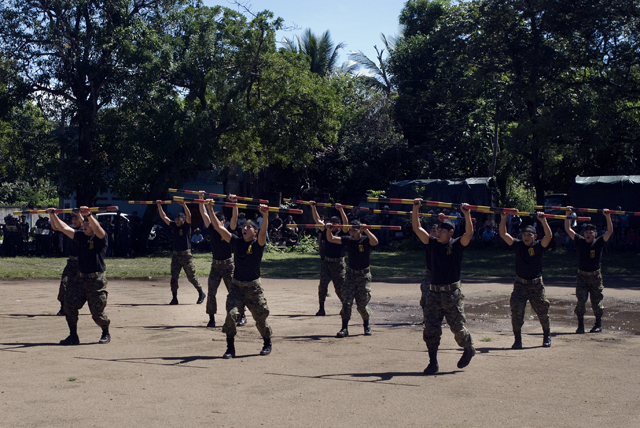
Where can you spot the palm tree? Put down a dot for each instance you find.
(321, 51)
(376, 74)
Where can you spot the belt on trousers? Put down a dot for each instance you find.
(584, 272)
(90, 275)
(537, 280)
(365, 270)
(73, 258)
(329, 259)
(182, 253)
(223, 262)
(245, 283)
(447, 287)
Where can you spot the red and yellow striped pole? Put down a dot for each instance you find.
(587, 210)
(69, 210)
(345, 226)
(242, 206)
(218, 195)
(150, 202)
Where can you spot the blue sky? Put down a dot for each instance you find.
(358, 23)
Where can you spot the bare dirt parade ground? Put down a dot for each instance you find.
(163, 367)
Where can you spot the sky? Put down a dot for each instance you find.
(357, 23)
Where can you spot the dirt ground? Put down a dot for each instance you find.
(163, 367)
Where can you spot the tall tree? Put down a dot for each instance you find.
(321, 51)
(78, 53)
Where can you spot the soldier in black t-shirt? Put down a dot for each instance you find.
(589, 278)
(181, 258)
(332, 266)
(70, 271)
(91, 283)
(357, 283)
(528, 285)
(245, 288)
(444, 299)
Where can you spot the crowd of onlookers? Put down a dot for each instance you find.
(127, 237)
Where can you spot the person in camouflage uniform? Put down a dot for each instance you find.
(246, 289)
(70, 272)
(589, 279)
(528, 285)
(182, 258)
(91, 283)
(332, 266)
(444, 299)
(357, 283)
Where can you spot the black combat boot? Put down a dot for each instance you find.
(73, 336)
(174, 301)
(546, 339)
(433, 367)
(212, 321)
(597, 327)
(201, 296)
(242, 321)
(106, 337)
(266, 348)
(367, 329)
(517, 344)
(321, 312)
(345, 331)
(467, 355)
(61, 311)
(231, 349)
(580, 329)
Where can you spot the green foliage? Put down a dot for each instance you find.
(375, 193)
(307, 244)
(520, 196)
(21, 193)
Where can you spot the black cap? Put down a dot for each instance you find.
(590, 226)
(530, 229)
(181, 215)
(446, 224)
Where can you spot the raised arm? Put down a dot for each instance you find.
(187, 212)
(314, 213)
(344, 218)
(219, 227)
(609, 231)
(503, 229)
(262, 233)
(567, 225)
(373, 241)
(548, 234)
(330, 237)
(58, 225)
(468, 231)
(203, 210)
(423, 235)
(233, 223)
(162, 214)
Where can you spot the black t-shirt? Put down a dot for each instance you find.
(73, 247)
(331, 250)
(91, 252)
(181, 236)
(220, 249)
(589, 255)
(446, 261)
(358, 250)
(247, 257)
(427, 256)
(276, 222)
(528, 259)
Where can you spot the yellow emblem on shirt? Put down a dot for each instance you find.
(250, 249)
(91, 245)
(532, 252)
(180, 232)
(361, 248)
(449, 250)
(592, 254)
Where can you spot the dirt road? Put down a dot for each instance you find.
(163, 368)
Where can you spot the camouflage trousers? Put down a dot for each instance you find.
(589, 286)
(356, 286)
(69, 273)
(251, 295)
(424, 288)
(331, 271)
(219, 272)
(447, 305)
(179, 262)
(91, 290)
(534, 293)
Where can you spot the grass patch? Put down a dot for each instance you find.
(485, 339)
(72, 379)
(496, 262)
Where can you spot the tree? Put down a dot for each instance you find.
(322, 53)
(78, 53)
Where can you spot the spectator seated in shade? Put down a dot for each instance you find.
(197, 240)
(488, 236)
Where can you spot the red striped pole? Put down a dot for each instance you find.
(69, 210)
(235, 204)
(218, 195)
